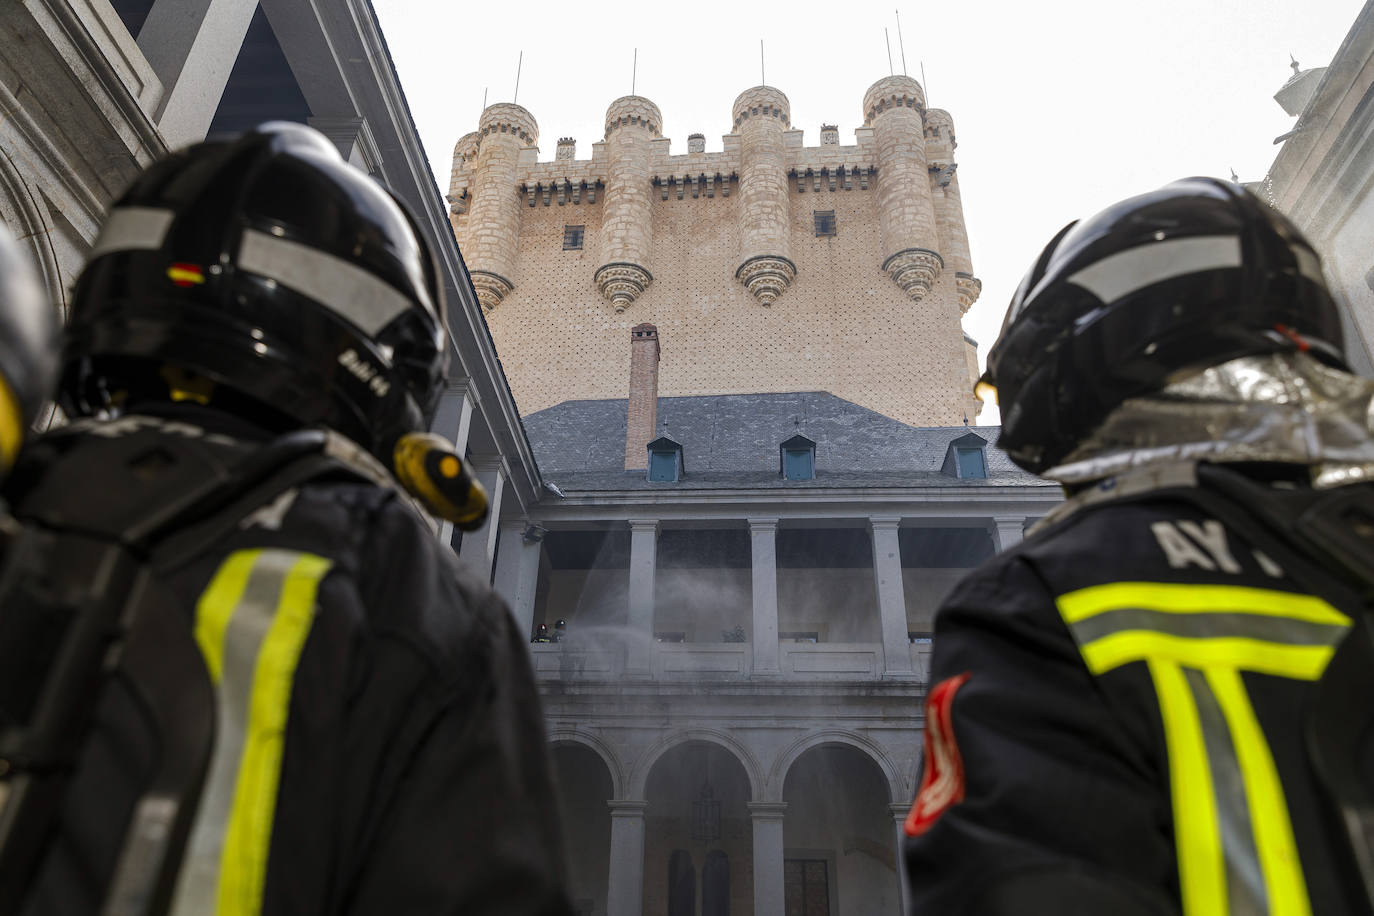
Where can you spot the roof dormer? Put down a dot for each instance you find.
(967, 457)
(797, 458)
(665, 460)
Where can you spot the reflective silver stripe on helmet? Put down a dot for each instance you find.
(348, 290)
(132, 229)
(1135, 268)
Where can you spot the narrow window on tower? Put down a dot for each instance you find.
(825, 222)
(572, 237)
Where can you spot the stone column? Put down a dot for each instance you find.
(192, 46)
(761, 115)
(887, 573)
(949, 206)
(493, 226)
(479, 547)
(517, 572)
(763, 537)
(899, 812)
(639, 656)
(1007, 531)
(625, 885)
(894, 108)
(453, 421)
(769, 895)
(632, 122)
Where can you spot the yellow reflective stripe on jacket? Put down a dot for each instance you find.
(251, 624)
(1233, 836)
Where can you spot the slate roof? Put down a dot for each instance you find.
(731, 441)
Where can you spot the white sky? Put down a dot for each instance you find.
(1060, 106)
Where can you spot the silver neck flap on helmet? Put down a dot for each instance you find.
(1280, 407)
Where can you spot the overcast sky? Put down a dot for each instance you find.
(1060, 106)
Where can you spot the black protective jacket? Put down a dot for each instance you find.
(379, 743)
(1120, 721)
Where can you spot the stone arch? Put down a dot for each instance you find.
(23, 209)
(639, 776)
(598, 747)
(898, 787)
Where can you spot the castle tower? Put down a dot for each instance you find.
(949, 207)
(494, 218)
(626, 228)
(761, 115)
(464, 160)
(894, 107)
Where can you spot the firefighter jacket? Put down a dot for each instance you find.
(379, 745)
(1116, 724)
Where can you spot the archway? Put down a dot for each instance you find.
(584, 786)
(697, 823)
(840, 855)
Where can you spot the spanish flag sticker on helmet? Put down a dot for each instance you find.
(185, 275)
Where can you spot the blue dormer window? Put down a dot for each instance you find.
(665, 460)
(797, 459)
(967, 457)
(972, 462)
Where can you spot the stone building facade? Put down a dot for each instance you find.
(779, 266)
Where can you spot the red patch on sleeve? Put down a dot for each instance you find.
(942, 783)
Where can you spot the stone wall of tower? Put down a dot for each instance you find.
(842, 325)
(490, 244)
(762, 116)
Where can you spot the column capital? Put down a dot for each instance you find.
(899, 811)
(461, 387)
(1009, 519)
(885, 522)
(625, 807)
(644, 524)
(762, 811)
(763, 524)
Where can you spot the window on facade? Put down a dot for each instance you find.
(921, 638)
(675, 636)
(825, 222)
(806, 887)
(799, 636)
(972, 463)
(572, 237)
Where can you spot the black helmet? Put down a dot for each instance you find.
(28, 346)
(1149, 290)
(267, 265)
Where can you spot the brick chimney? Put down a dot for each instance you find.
(642, 416)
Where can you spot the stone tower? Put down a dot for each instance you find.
(761, 117)
(626, 228)
(895, 108)
(949, 207)
(767, 265)
(494, 219)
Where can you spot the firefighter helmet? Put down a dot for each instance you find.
(1147, 291)
(28, 346)
(268, 266)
